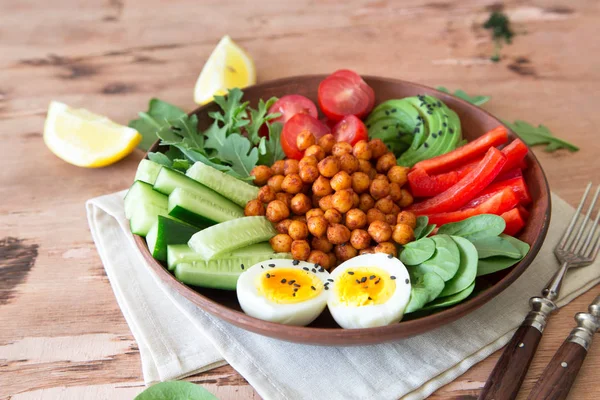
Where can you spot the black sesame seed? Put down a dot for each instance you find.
(291, 282)
(429, 112)
(326, 287)
(272, 265)
(390, 255)
(363, 279)
(434, 135)
(393, 110)
(426, 145)
(322, 269)
(369, 298)
(392, 277)
(283, 280)
(384, 127)
(268, 275)
(444, 124)
(377, 281)
(451, 130)
(372, 277)
(295, 290)
(350, 272)
(295, 262)
(416, 130)
(439, 104)
(242, 266)
(296, 285)
(406, 281)
(294, 294)
(313, 288)
(357, 281)
(330, 280)
(305, 268)
(262, 266)
(387, 112)
(314, 271)
(317, 265)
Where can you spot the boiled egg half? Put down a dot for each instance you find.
(368, 291)
(289, 292)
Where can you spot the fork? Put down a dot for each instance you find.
(573, 250)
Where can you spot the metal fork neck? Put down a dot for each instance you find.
(552, 289)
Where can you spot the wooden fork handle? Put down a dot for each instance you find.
(508, 374)
(559, 375)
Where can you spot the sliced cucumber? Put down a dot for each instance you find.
(182, 253)
(147, 171)
(215, 274)
(143, 217)
(228, 236)
(142, 193)
(235, 190)
(167, 231)
(195, 210)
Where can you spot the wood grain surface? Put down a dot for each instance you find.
(62, 335)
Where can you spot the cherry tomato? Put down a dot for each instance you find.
(330, 124)
(295, 125)
(292, 104)
(340, 96)
(350, 129)
(356, 78)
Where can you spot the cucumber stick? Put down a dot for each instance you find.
(197, 210)
(143, 217)
(143, 193)
(228, 236)
(182, 253)
(167, 231)
(232, 188)
(147, 171)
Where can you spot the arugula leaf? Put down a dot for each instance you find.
(182, 164)
(499, 24)
(461, 94)
(258, 117)
(539, 135)
(160, 158)
(270, 150)
(153, 120)
(233, 114)
(234, 149)
(174, 390)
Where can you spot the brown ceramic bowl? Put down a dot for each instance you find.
(324, 330)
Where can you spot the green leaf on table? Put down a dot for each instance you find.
(176, 390)
(234, 149)
(499, 24)
(270, 150)
(151, 121)
(233, 114)
(539, 135)
(461, 94)
(258, 118)
(476, 227)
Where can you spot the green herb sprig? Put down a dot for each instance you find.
(499, 24)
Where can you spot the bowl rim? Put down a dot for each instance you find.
(327, 336)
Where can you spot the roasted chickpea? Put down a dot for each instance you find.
(326, 142)
(321, 244)
(361, 150)
(325, 203)
(254, 207)
(387, 248)
(349, 163)
(291, 166)
(307, 160)
(366, 202)
(315, 201)
(391, 218)
(329, 166)
(332, 261)
(304, 140)
(317, 226)
(298, 230)
(378, 148)
(314, 212)
(395, 193)
(275, 182)
(360, 239)
(396, 209)
(341, 181)
(261, 174)
(344, 252)
(380, 231)
(281, 243)
(316, 151)
(300, 204)
(292, 184)
(266, 194)
(333, 216)
(381, 176)
(407, 198)
(283, 226)
(277, 211)
(341, 148)
(322, 186)
(368, 250)
(277, 167)
(319, 257)
(309, 173)
(407, 218)
(403, 234)
(285, 197)
(355, 199)
(385, 162)
(338, 234)
(398, 174)
(366, 167)
(342, 200)
(385, 205)
(356, 218)
(300, 250)
(360, 182)
(301, 218)
(379, 188)
(306, 188)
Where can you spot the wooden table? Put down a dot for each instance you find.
(62, 334)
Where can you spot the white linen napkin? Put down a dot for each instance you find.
(177, 339)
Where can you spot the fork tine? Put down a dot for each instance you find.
(567, 233)
(575, 244)
(595, 250)
(587, 245)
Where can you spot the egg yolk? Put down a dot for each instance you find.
(364, 286)
(288, 285)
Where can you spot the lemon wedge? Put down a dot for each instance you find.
(85, 139)
(227, 67)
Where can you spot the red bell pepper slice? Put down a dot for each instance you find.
(424, 185)
(498, 203)
(523, 211)
(517, 185)
(514, 222)
(513, 173)
(466, 153)
(515, 153)
(467, 188)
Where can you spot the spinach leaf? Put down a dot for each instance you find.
(467, 269)
(422, 229)
(539, 135)
(445, 260)
(424, 289)
(496, 246)
(151, 121)
(418, 251)
(476, 227)
(496, 263)
(175, 390)
(461, 94)
(447, 301)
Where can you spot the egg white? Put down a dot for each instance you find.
(372, 315)
(256, 305)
